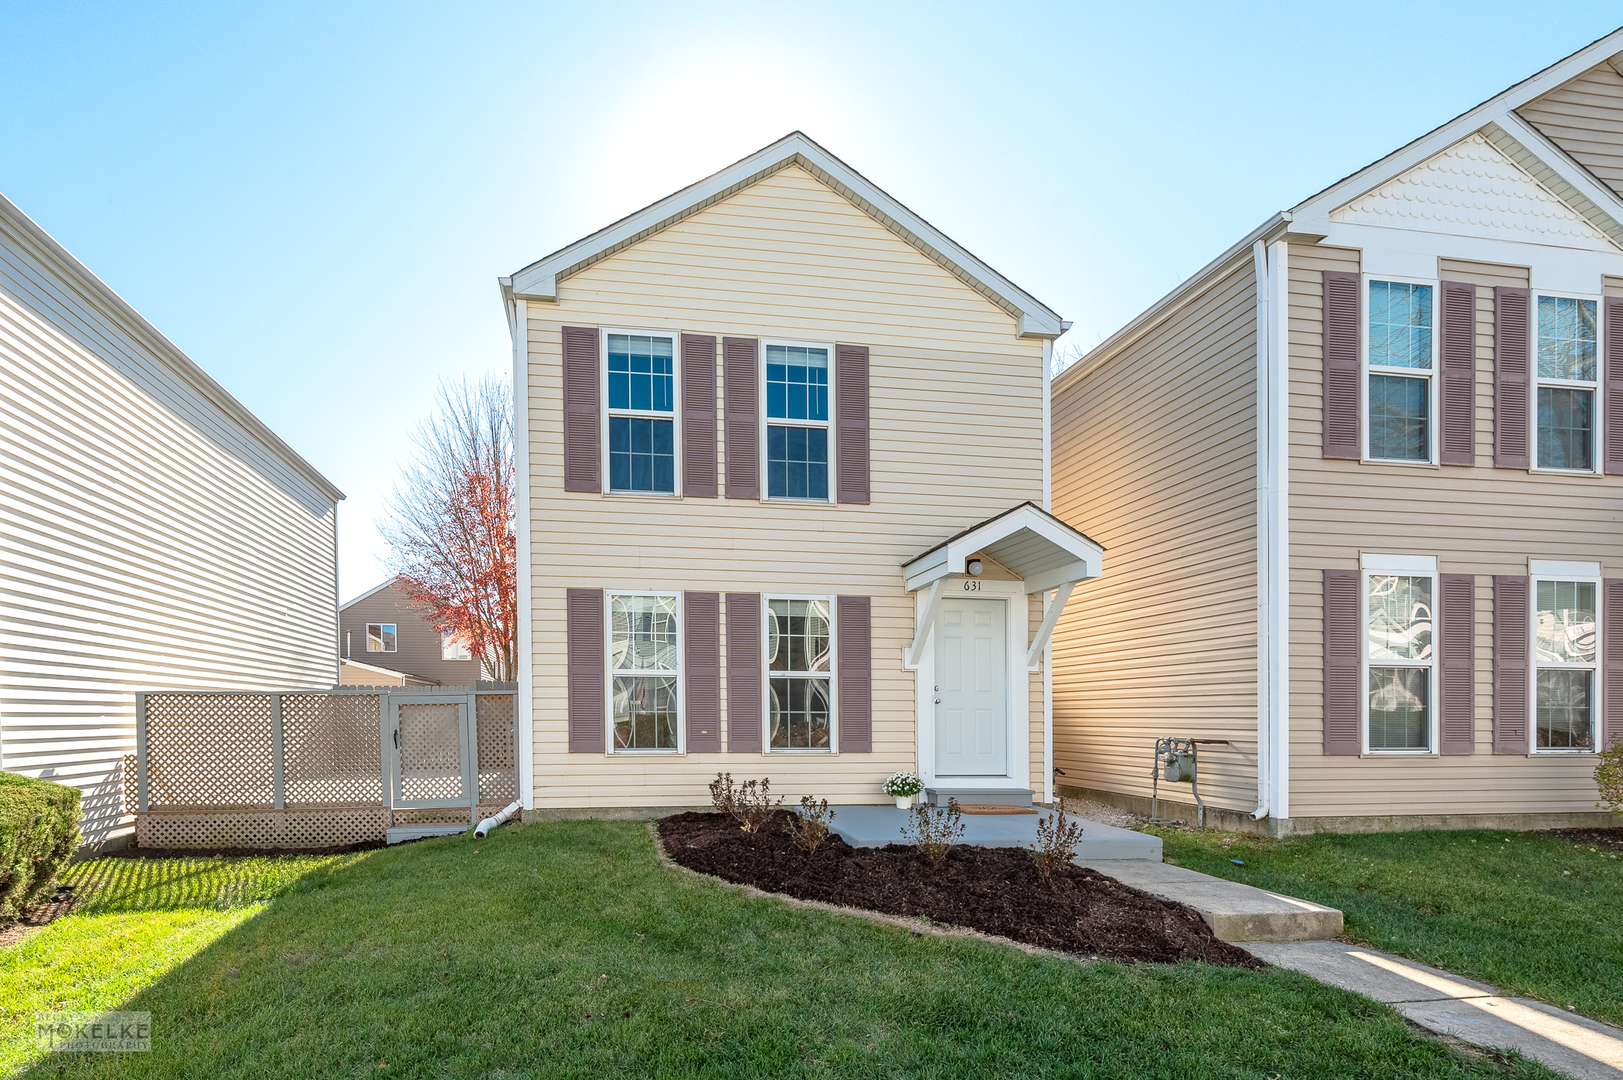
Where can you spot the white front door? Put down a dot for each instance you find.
(971, 655)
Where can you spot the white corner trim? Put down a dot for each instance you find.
(1273, 530)
(1552, 568)
(524, 700)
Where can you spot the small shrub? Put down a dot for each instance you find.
(750, 803)
(723, 796)
(1056, 842)
(811, 826)
(39, 829)
(903, 785)
(1609, 777)
(933, 830)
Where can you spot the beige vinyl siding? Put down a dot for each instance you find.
(956, 436)
(1478, 520)
(1584, 117)
(1155, 458)
(150, 539)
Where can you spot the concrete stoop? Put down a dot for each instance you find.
(1234, 911)
(876, 826)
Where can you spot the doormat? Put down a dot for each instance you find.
(993, 808)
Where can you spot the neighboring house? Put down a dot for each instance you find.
(355, 673)
(1359, 482)
(383, 628)
(154, 534)
(783, 471)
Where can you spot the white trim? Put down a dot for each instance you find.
(766, 678)
(1398, 564)
(1048, 425)
(1429, 375)
(370, 592)
(950, 558)
(1564, 178)
(610, 672)
(1596, 713)
(605, 413)
(1406, 566)
(1550, 568)
(393, 631)
(524, 700)
(1594, 386)
(926, 619)
(1273, 529)
(1053, 607)
(761, 345)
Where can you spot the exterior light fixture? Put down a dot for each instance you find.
(974, 567)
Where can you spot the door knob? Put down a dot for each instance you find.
(938, 701)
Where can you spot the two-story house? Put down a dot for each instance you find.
(1359, 479)
(385, 639)
(783, 498)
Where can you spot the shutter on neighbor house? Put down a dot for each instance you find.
(1612, 427)
(1512, 412)
(1458, 343)
(851, 423)
(1510, 617)
(1340, 365)
(740, 377)
(1611, 663)
(701, 616)
(1459, 663)
(853, 656)
(1341, 662)
(699, 416)
(744, 701)
(583, 455)
(587, 706)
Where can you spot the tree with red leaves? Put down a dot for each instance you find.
(452, 533)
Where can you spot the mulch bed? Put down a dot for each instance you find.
(49, 909)
(1600, 838)
(993, 890)
(133, 852)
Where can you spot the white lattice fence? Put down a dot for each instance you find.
(206, 750)
(332, 753)
(498, 777)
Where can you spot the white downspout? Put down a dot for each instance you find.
(1273, 533)
(524, 700)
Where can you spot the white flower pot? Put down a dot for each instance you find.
(904, 802)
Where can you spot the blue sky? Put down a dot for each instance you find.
(315, 200)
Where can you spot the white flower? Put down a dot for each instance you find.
(903, 784)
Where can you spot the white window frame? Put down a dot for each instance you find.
(609, 596)
(675, 416)
(1405, 566)
(446, 640)
(394, 632)
(1584, 574)
(833, 675)
(1365, 369)
(1594, 387)
(767, 421)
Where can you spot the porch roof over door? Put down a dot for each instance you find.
(1030, 542)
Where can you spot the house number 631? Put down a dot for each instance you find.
(972, 586)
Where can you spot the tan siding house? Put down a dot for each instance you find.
(1366, 535)
(153, 532)
(759, 421)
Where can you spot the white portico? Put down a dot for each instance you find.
(972, 653)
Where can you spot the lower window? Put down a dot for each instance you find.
(642, 454)
(798, 642)
(1564, 628)
(1399, 651)
(1398, 417)
(645, 664)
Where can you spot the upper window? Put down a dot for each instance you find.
(645, 664)
(642, 413)
(797, 450)
(1399, 653)
(797, 655)
(1568, 342)
(1564, 663)
(1400, 359)
(380, 637)
(453, 647)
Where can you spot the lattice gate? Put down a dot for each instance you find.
(310, 770)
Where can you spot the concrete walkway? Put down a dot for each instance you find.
(1463, 1008)
(876, 826)
(1235, 911)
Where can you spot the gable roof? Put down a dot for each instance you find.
(539, 280)
(387, 583)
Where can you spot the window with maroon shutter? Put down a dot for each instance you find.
(745, 705)
(1611, 623)
(583, 453)
(1458, 347)
(1510, 619)
(1459, 663)
(1512, 409)
(853, 658)
(698, 416)
(1612, 344)
(740, 387)
(851, 423)
(583, 613)
(1341, 396)
(1341, 698)
(701, 615)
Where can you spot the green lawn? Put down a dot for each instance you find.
(1537, 916)
(567, 950)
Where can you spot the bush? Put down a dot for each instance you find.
(811, 826)
(934, 831)
(1056, 842)
(1609, 777)
(39, 829)
(750, 803)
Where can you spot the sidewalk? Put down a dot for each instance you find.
(1463, 1008)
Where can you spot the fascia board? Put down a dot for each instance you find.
(921, 572)
(161, 347)
(952, 558)
(1530, 149)
(1069, 574)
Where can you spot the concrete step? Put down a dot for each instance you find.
(1234, 911)
(417, 832)
(876, 826)
(985, 796)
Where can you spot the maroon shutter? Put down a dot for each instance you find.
(1612, 342)
(744, 700)
(701, 618)
(583, 454)
(851, 423)
(1510, 617)
(1341, 697)
(699, 416)
(1458, 641)
(1458, 446)
(1341, 365)
(853, 657)
(1611, 661)
(1512, 412)
(740, 378)
(587, 709)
